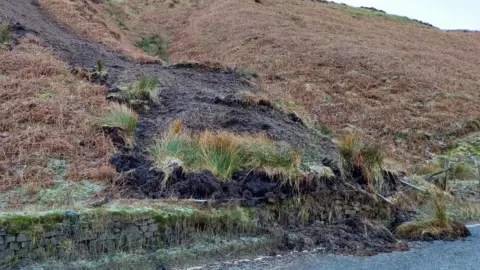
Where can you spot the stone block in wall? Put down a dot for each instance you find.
(22, 253)
(144, 228)
(54, 241)
(3, 246)
(10, 238)
(108, 235)
(148, 234)
(6, 254)
(132, 233)
(110, 245)
(153, 227)
(14, 246)
(25, 245)
(142, 223)
(51, 233)
(85, 235)
(44, 242)
(1, 240)
(22, 238)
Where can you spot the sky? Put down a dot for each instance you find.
(445, 14)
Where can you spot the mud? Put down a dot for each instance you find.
(351, 236)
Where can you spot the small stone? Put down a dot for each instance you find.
(153, 227)
(14, 246)
(25, 244)
(54, 242)
(86, 236)
(148, 234)
(142, 223)
(150, 221)
(44, 242)
(50, 234)
(3, 246)
(106, 236)
(1, 240)
(10, 238)
(22, 238)
(144, 228)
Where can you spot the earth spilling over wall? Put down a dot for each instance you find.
(69, 235)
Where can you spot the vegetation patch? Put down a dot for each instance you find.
(120, 116)
(5, 33)
(145, 88)
(223, 153)
(156, 45)
(367, 158)
(436, 227)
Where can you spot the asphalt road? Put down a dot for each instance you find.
(439, 255)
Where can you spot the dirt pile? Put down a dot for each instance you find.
(352, 236)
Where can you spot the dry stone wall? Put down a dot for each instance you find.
(87, 237)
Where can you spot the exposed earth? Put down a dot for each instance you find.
(461, 255)
(203, 98)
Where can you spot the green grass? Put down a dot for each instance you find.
(145, 88)
(366, 13)
(5, 33)
(156, 45)
(223, 153)
(366, 156)
(120, 116)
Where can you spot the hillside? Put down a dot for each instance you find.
(118, 149)
(396, 81)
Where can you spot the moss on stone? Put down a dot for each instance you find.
(16, 223)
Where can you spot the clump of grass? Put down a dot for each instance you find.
(5, 33)
(156, 45)
(120, 116)
(365, 156)
(223, 153)
(438, 226)
(144, 88)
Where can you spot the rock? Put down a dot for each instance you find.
(22, 238)
(153, 227)
(10, 238)
(148, 234)
(44, 242)
(6, 254)
(14, 246)
(144, 228)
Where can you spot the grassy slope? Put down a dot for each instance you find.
(392, 79)
(45, 123)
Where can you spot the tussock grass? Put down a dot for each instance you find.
(438, 226)
(5, 34)
(223, 153)
(144, 88)
(366, 156)
(121, 116)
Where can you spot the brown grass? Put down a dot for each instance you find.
(392, 79)
(44, 113)
(91, 21)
